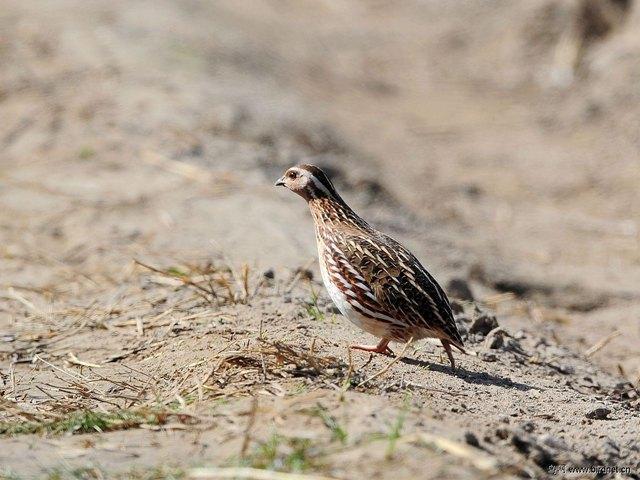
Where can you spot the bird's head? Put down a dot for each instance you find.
(308, 181)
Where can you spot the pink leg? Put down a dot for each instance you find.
(382, 347)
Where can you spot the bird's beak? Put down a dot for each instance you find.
(280, 182)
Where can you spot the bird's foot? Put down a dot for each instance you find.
(447, 348)
(382, 347)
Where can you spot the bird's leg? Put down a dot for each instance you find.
(382, 347)
(447, 348)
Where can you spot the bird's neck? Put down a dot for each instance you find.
(328, 213)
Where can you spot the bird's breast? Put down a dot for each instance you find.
(341, 300)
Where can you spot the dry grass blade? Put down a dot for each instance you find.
(76, 361)
(12, 378)
(602, 343)
(35, 310)
(216, 284)
(286, 354)
(477, 458)
(12, 408)
(87, 391)
(184, 279)
(245, 280)
(389, 365)
(251, 474)
(347, 380)
(72, 375)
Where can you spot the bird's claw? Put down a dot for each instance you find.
(382, 349)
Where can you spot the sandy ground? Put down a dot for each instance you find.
(151, 274)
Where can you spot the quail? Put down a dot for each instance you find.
(374, 281)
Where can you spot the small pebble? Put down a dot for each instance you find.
(471, 439)
(483, 324)
(553, 442)
(542, 457)
(489, 357)
(270, 274)
(599, 414)
(521, 443)
(496, 342)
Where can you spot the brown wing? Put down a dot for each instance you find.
(383, 280)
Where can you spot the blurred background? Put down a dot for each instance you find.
(498, 139)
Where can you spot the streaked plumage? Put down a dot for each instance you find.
(374, 281)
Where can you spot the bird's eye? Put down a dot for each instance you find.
(292, 175)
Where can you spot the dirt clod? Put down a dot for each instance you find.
(599, 414)
(483, 324)
(472, 439)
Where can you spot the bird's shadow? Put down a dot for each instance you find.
(469, 376)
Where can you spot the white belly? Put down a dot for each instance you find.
(374, 327)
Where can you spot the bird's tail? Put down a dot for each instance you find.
(452, 336)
